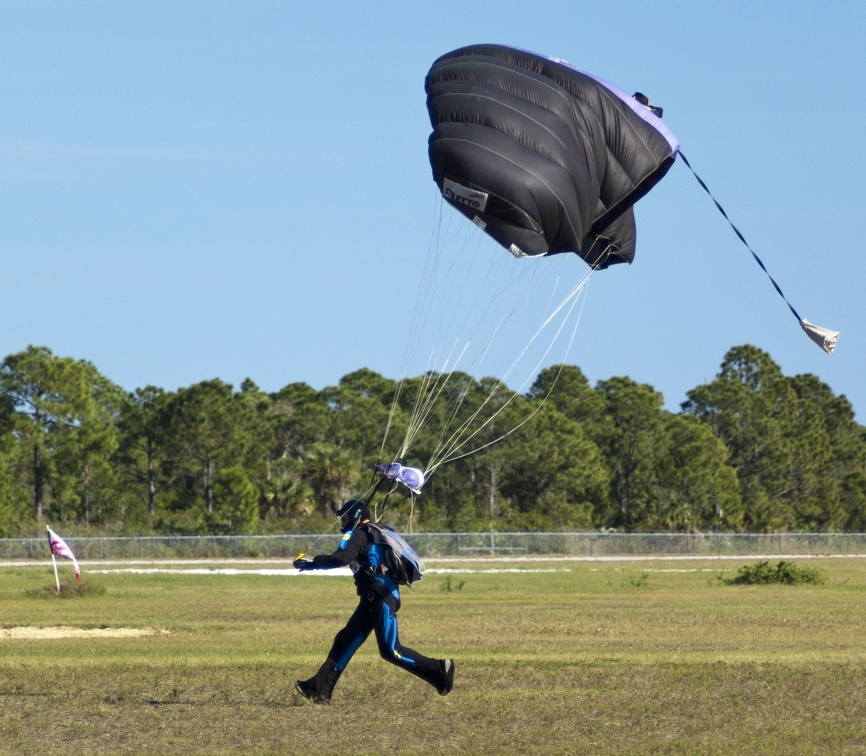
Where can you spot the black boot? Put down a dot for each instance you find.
(438, 672)
(320, 686)
(306, 689)
(447, 680)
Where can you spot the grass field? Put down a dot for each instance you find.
(552, 657)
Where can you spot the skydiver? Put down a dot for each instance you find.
(376, 611)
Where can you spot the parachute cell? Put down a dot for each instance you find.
(544, 157)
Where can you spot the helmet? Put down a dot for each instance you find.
(349, 513)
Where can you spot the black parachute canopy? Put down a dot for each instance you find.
(544, 157)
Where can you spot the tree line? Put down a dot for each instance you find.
(751, 451)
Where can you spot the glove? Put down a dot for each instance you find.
(302, 565)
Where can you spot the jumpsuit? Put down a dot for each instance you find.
(376, 612)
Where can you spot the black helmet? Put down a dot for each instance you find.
(349, 513)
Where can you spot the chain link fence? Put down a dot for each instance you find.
(432, 545)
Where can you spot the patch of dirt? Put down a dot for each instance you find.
(65, 631)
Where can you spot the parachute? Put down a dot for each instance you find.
(545, 159)
(542, 156)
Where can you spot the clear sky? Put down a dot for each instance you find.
(195, 190)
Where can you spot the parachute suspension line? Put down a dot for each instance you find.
(602, 257)
(537, 409)
(823, 337)
(380, 513)
(451, 449)
(448, 443)
(430, 389)
(411, 513)
(395, 402)
(431, 386)
(438, 381)
(457, 441)
(429, 310)
(445, 383)
(417, 315)
(419, 312)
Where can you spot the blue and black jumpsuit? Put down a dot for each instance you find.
(376, 612)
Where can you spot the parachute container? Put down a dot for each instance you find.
(542, 156)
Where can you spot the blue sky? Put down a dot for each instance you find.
(195, 190)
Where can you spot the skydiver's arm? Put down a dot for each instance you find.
(344, 556)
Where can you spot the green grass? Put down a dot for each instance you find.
(590, 658)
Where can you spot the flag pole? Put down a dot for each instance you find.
(56, 576)
(53, 560)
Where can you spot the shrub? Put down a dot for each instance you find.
(67, 590)
(783, 573)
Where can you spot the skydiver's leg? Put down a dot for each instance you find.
(438, 672)
(321, 685)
